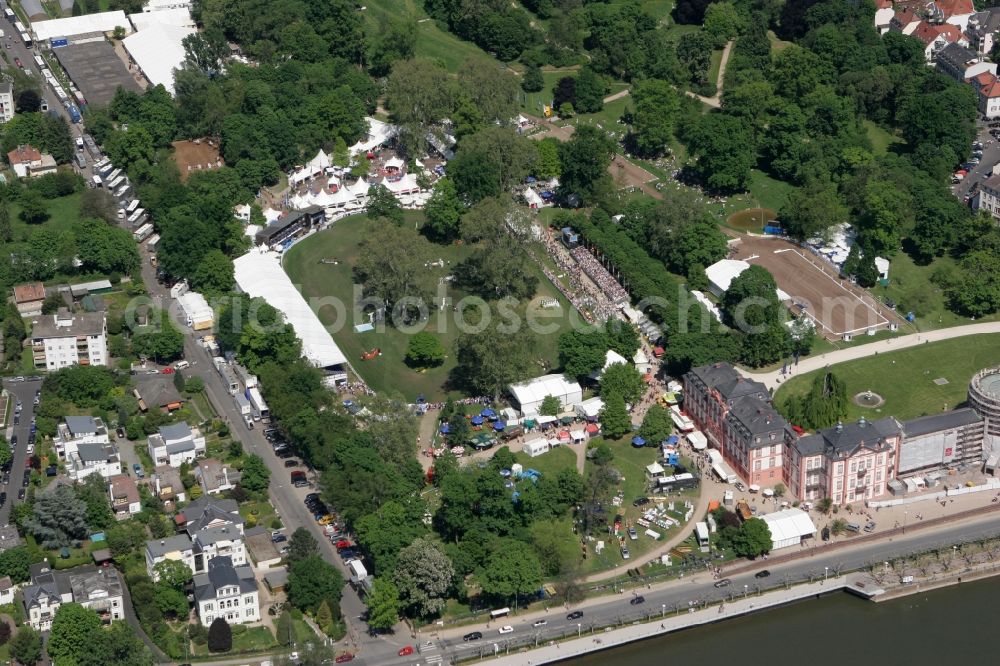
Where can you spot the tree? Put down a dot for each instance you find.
(58, 518)
(28, 101)
(5, 633)
(324, 616)
(564, 92)
(419, 93)
(492, 89)
(590, 89)
(383, 204)
(392, 266)
(214, 273)
(614, 417)
(98, 204)
(14, 562)
(26, 647)
(754, 539)
(383, 534)
(72, 628)
(582, 351)
(159, 340)
(623, 380)
(33, 207)
(220, 636)
(493, 359)
(424, 576)
(93, 492)
(548, 165)
(425, 350)
(5, 454)
(256, 475)
(491, 162)
(655, 107)
(6, 230)
(512, 570)
(311, 581)
(726, 151)
(550, 406)
(383, 604)
(302, 545)
(172, 573)
(194, 385)
(723, 22)
(812, 210)
(824, 405)
(532, 81)
(656, 425)
(115, 646)
(443, 211)
(585, 159)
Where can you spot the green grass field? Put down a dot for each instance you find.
(880, 138)
(906, 378)
(388, 372)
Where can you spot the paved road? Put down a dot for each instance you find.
(773, 379)
(983, 170)
(287, 500)
(668, 597)
(25, 392)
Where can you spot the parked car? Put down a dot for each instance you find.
(120, 432)
(291, 463)
(641, 501)
(342, 544)
(870, 526)
(17, 61)
(3, 498)
(278, 538)
(137, 468)
(344, 658)
(625, 553)
(632, 534)
(472, 636)
(635, 601)
(725, 582)
(20, 494)
(763, 573)
(575, 615)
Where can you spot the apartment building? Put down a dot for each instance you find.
(227, 591)
(176, 444)
(65, 339)
(212, 528)
(83, 443)
(98, 588)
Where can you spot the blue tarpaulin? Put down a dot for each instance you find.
(638, 441)
(499, 425)
(477, 420)
(445, 428)
(487, 413)
(672, 439)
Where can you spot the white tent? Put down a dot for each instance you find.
(271, 214)
(533, 199)
(378, 134)
(789, 527)
(535, 447)
(79, 25)
(359, 189)
(697, 440)
(528, 396)
(641, 361)
(260, 274)
(394, 163)
(722, 273)
(405, 185)
(158, 51)
(590, 408)
(610, 358)
(314, 168)
(179, 16)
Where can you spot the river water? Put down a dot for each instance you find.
(952, 625)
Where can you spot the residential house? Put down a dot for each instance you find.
(157, 392)
(77, 430)
(177, 548)
(176, 444)
(982, 30)
(7, 590)
(987, 94)
(988, 196)
(962, 64)
(228, 591)
(6, 101)
(98, 588)
(9, 538)
(951, 12)
(124, 494)
(28, 162)
(215, 477)
(936, 36)
(65, 339)
(167, 484)
(29, 298)
(904, 21)
(850, 462)
(883, 15)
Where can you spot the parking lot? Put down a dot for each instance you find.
(19, 434)
(96, 70)
(965, 189)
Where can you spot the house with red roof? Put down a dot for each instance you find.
(988, 94)
(937, 36)
(904, 21)
(883, 15)
(953, 12)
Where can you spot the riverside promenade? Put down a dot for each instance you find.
(692, 617)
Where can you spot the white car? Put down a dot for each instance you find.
(540, 623)
(507, 629)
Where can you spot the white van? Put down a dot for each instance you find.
(180, 365)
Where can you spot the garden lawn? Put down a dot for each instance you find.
(534, 103)
(607, 117)
(389, 373)
(551, 463)
(63, 213)
(880, 138)
(905, 378)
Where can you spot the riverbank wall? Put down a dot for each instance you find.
(967, 575)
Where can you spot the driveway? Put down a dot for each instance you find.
(25, 392)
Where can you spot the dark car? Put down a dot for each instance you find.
(3, 498)
(20, 494)
(291, 463)
(17, 61)
(284, 453)
(575, 615)
(635, 601)
(825, 534)
(121, 433)
(642, 501)
(13, 441)
(472, 636)
(279, 538)
(17, 419)
(763, 573)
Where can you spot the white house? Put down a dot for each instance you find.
(883, 15)
(176, 444)
(212, 528)
(214, 477)
(99, 589)
(227, 591)
(41, 601)
(177, 548)
(536, 447)
(77, 430)
(82, 441)
(65, 339)
(952, 12)
(6, 101)
(528, 396)
(7, 590)
(987, 94)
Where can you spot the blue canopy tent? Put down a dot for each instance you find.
(638, 441)
(488, 413)
(672, 440)
(445, 428)
(499, 425)
(477, 420)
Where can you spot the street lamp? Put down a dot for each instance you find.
(904, 521)
(577, 629)
(745, 591)
(826, 572)
(663, 610)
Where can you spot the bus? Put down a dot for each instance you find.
(122, 191)
(9, 13)
(114, 174)
(143, 232)
(97, 181)
(81, 160)
(26, 39)
(134, 217)
(132, 206)
(498, 613)
(42, 65)
(18, 25)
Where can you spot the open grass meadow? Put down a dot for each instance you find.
(388, 372)
(905, 379)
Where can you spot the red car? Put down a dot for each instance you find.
(167, 370)
(17, 61)
(407, 651)
(343, 543)
(344, 658)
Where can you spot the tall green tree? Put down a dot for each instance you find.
(26, 647)
(423, 576)
(489, 361)
(623, 380)
(443, 211)
(72, 628)
(655, 108)
(425, 350)
(512, 571)
(614, 417)
(585, 159)
(256, 475)
(383, 604)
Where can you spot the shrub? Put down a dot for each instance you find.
(220, 636)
